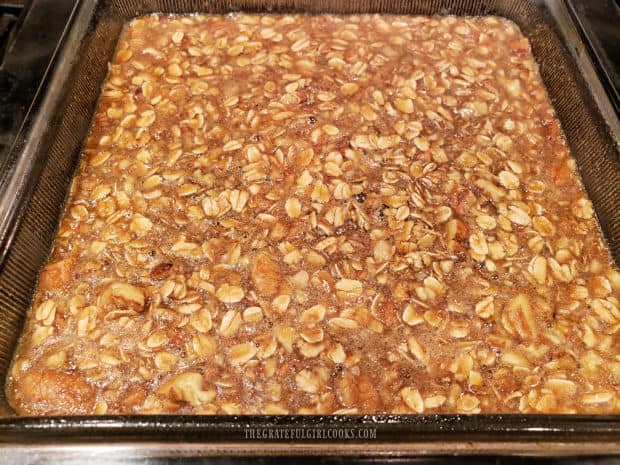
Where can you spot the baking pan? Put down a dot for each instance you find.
(36, 179)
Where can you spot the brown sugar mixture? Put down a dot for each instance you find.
(323, 214)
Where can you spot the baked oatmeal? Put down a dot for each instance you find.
(323, 214)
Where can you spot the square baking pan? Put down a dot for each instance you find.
(36, 177)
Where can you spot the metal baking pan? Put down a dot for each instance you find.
(35, 181)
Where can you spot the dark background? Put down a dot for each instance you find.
(599, 24)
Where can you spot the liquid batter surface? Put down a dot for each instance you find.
(323, 214)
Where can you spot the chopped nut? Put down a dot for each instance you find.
(56, 275)
(127, 296)
(188, 387)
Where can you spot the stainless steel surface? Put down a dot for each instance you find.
(572, 454)
(29, 62)
(580, 54)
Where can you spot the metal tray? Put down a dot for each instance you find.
(35, 180)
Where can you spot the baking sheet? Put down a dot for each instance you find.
(75, 85)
